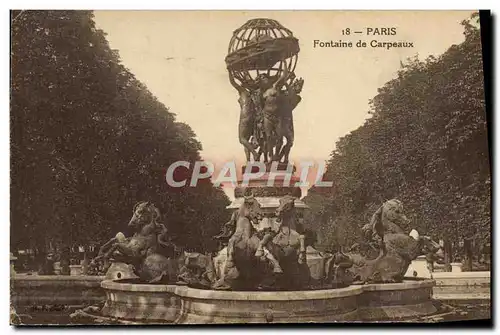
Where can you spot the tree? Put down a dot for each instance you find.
(425, 144)
(88, 140)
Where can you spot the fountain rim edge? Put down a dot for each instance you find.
(189, 292)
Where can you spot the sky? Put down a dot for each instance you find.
(179, 56)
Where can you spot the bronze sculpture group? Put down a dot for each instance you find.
(239, 266)
(259, 250)
(386, 250)
(270, 258)
(148, 250)
(266, 120)
(261, 61)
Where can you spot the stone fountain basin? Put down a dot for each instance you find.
(154, 303)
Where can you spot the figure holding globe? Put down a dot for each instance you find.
(271, 94)
(247, 119)
(261, 61)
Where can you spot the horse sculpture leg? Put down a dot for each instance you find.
(268, 237)
(273, 261)
(263, 253)
(228, 272)
(122, 248)
(108, 253)
(104, 248)
(302, 249)
(255, 243)
(230, 252)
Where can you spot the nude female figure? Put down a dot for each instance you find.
(270, 93)
(247, 119)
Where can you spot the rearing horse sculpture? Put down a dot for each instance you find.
(242, 247)
(284, 250)
(290, 234)
(396, 248)
(147, 250)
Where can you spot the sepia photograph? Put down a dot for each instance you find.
(216, 167)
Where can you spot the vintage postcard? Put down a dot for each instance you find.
(249, 167)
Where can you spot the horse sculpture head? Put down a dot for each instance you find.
(393, 211)
(144, 213)
(250, 209)
(286, 207)
(389, 216)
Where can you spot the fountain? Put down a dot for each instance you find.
(268, 271)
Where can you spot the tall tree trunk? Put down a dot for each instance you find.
(467, 266)
(448, 255)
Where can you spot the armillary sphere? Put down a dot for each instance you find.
(261, 46)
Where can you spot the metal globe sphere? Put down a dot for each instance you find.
(261, 47)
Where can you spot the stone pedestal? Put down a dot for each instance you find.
(456, 267)
(268, 195)
(57, 268)
(75, 270)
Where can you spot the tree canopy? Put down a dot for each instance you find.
(88, 141)
(426, 144)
